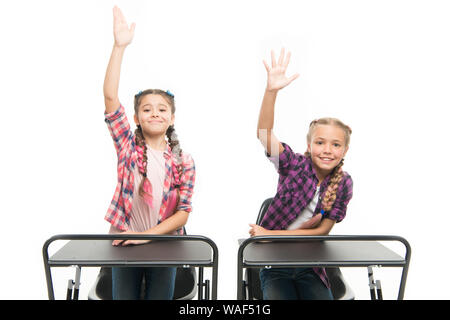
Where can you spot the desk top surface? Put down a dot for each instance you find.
(102, 252)
(320, 253)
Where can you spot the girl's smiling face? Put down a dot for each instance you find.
(327, 147)
(154, 115)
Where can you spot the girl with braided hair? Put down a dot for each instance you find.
(312, 194)
(155, 177)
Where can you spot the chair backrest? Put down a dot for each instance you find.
(339, 287)
(185, 284)
(262, 211)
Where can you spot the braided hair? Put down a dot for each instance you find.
(145, 188)
(337, 173)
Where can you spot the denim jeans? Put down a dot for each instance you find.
(127, 281)
(293, 284)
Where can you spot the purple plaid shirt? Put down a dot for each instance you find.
(297, 185)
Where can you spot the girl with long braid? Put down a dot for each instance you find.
(155, 177)
(312, 194)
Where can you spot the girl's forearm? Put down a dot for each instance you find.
(297, 232)
(265, 124)
(169, 225)
(321, 230)
(176, 221)
(112, 77)
(266, 114)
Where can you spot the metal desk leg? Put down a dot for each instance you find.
(207, 288)
(69, 289)
(215, 269)
(48, 274)
(401, 291)
(200, 283)
(214, 280)
(77, 282)
(74, 285)
(239, 281)
(374, 285)
(373, 294)
(204, 287)
(379, 293)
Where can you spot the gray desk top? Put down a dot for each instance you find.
(320, 253)
(102, 252)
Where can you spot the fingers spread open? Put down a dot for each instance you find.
(266, 65)
(281, 58)
(274, 63)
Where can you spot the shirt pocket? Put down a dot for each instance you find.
(292, 197)
(294, 184)
(296, 190)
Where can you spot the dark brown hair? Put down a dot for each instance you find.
(170, 133)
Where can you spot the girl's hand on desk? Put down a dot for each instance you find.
(123, 242)
(256, 230)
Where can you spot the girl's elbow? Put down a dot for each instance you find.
(324, 228)
(184, 216)
(318, 231)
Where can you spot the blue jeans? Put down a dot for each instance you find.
(127, 282)
(293, 284)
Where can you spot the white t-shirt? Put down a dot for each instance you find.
(307, 213)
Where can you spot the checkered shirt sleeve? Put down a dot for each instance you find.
(187, 182)
(343, 196)
(122, 136)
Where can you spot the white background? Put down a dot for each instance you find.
(381, 66)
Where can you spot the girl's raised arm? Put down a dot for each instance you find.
(276, 80)
(122, 38)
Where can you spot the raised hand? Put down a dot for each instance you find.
(276, 74)
(122, 33)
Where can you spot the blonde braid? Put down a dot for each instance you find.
(330, 194)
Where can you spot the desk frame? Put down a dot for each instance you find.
(404, 263)
(49, 263)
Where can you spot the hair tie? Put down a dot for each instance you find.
(170, 93)
(313, 122)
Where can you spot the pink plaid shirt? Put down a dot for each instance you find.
(118, 213)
